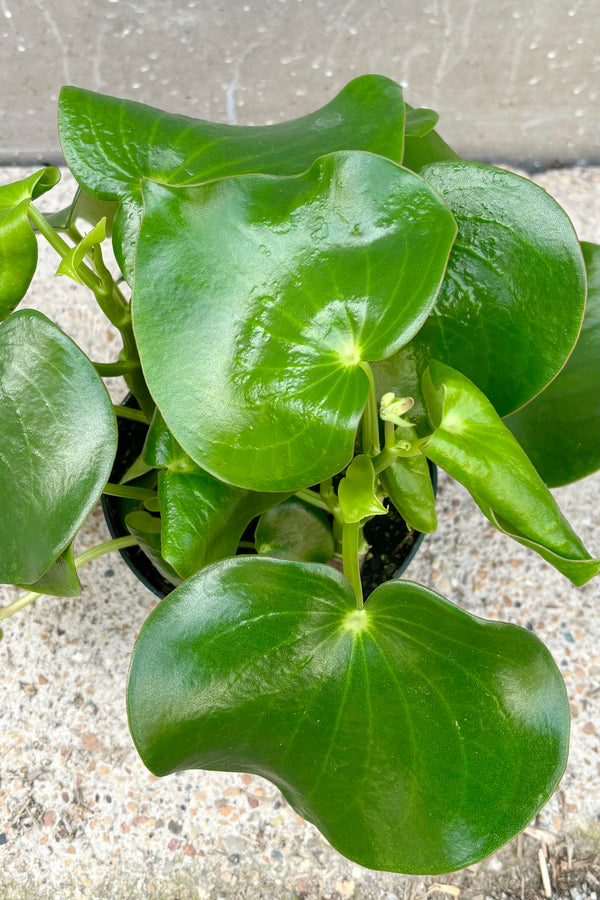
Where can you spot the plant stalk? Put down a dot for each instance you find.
(369, 433)
(350, 534)
(87, 556)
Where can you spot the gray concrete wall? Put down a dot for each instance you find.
(513, 80)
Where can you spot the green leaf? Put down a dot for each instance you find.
(472, 444)
(356, 491)
(203, 518)
(422, 145)
(419, 122)
(18, 243)
(71, 262)
(295, 530)
(57, 444)
(416, 737)
(61, 579)
(559, 429)
(278, 288)
(512, 302)
(407, 483)
(146, 529)
(109, 144)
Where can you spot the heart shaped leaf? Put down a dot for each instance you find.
(559, 428)
(356, 491)
(295, 530)
(473, 445)
(203, 518)
(18, 243)
(109, 144)
(278, 288)
(57, 444)
(423, 145)
(512, 302)
(416, 737)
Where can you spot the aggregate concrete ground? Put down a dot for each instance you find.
(81, 818)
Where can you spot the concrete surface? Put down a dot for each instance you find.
(512, 80)
(80, 817)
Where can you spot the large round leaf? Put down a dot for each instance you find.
(57, 444)
(512, 302)
(110, 143)
(560, 429)
(277, 289)
(416, 737)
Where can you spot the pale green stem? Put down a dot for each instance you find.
(369, 433)
(115, 369)
(87, 556)
(127, 492)
(350, 534)
(313, 498)
(136, 415)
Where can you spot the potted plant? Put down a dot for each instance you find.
(312, 314)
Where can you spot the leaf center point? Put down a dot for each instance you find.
(356, 621)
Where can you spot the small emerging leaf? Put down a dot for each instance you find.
(71, 262)
(356, 491)
(473, 445)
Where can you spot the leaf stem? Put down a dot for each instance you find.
(136, 415)
(111, 301)
(128, 492)
(369, 433)
(313, 498)
(350, 534)
(99, 550)
(114, 369)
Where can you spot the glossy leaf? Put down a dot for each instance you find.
(18, 243)
(57, 444)
(203, 518)
(513, 298)
(146, 529)
(423, 145)
(407, 483)
(560, 428)
(416, 737)
(473, 445)
(419, 122)
(295, 530)
(60, 580)
(356, 491)
(278, 288)
(109, 144)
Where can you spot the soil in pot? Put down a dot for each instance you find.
(392, 544)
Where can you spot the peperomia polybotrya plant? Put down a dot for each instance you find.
(311, 313)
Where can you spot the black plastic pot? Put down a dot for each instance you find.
(392, 543)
